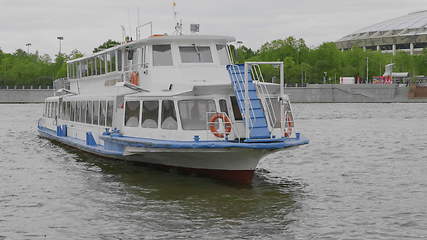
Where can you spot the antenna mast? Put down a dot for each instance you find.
(178, 26)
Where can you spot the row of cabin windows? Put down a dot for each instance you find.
(193, 113)
(162, 56)
(98, 112)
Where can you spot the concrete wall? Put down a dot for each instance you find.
(24, 95)
(359, 93)
(313, 93)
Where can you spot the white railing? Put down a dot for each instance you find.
(264, 95)
(258, 75)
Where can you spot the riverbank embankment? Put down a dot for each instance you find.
(352, 93)
(25, 95)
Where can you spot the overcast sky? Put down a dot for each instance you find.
(85, 24)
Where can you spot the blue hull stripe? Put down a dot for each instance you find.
(119, 142)
(153, 143)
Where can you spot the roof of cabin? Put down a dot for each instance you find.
(163, 39)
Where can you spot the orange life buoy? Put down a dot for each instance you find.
(134, 78)
(290, 123)
(227, 124)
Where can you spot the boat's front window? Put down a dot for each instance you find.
(162, 55)
(150, 114)
(193, 113)
(236, 109)
(195, 54)
(132, 114)
(168, 115)
(223, 106)
(222, 53)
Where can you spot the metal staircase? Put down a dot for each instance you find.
(249, 103)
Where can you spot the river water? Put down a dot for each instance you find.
(363, 176)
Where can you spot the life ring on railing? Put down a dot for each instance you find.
(290, 124)
(227, 124)
(134, 78)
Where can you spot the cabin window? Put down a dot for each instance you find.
(95, 112)
(55, 109)
(110, 113)
(50, 111)
(72, 111)
(108, 63)
(67, 110)
(112, 61)
(195, 54)
(223, 106)
(47, 109)
(168, 115)
(132, 113)
(89, 112)
(119, 60)
(236, 109)
(100, 66)
(62, 112)
(103, 113)
(83, 111)
(90, 67)
(142, 59)
(222, 54)
(79, 111)
(135, 57)
(162, 55)
(150, 114)
(193, 113)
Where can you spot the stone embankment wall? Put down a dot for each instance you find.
(355, 93)
(24, 95)
(313, 93)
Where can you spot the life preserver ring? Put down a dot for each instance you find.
(134, 78)
(290, 124)
(227, 124)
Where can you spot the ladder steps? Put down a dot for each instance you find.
(258, 128)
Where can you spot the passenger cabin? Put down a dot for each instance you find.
(162, 87)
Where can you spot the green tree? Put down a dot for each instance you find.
(106, 45)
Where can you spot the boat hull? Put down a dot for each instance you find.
(234, 164)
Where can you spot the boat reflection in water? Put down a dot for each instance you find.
(168, 192)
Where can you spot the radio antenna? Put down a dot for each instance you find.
(123, 33)
(178, 26)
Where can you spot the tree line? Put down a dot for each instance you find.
(302, 63)
(309, 65)
(21, 68)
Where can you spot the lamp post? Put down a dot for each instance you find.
(60, 39)
(367, 69)
(28, 47)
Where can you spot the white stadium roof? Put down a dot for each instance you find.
(410, 21)
(411, 24)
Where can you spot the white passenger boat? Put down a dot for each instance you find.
(174, 101)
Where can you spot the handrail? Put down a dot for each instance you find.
(265, 94)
